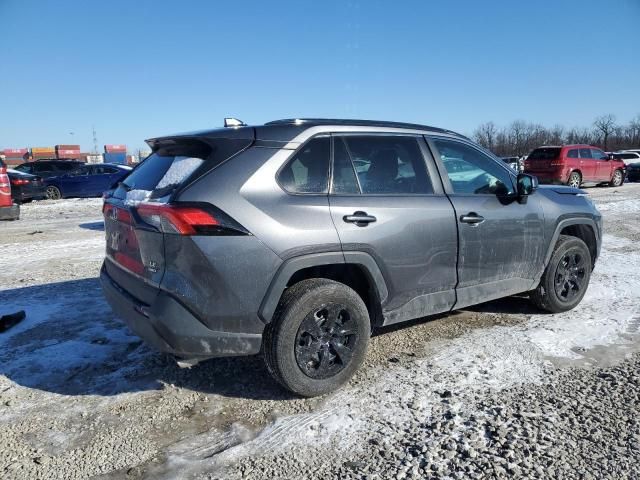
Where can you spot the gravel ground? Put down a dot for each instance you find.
(496, 391)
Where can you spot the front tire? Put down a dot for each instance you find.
(566, 277)
(53, 193)
(318, 337)
(617, 179)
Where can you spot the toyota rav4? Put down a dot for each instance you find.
(296, 238)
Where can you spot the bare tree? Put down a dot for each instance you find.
(485, 135)
(606, 125)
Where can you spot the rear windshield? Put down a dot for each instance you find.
(544, 154)
(170, 167)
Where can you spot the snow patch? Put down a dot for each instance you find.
(179, 170)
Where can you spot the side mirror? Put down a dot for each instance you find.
(526, 185)
(610, 156)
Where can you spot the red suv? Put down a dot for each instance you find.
(574, 165)
(8, 210)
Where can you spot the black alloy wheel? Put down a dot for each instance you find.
(325, 341)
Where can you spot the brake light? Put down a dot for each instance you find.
(19, 181)
(189, 219)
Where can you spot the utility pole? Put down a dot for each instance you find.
(95, 140)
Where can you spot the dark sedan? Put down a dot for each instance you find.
(25, 187)
(633, 172)
(86, 181)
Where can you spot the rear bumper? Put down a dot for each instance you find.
(169, 327)
(10, 213)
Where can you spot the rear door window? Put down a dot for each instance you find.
(384, 164)
(344, 175)
(585, 153)
(573, 153)
(308, 170)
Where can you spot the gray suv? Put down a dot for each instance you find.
(296, 238)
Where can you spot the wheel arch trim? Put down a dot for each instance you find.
(292, 265)
(568, 222)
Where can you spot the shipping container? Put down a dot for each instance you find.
(120, 158)
(48, 150)
(68, 153)
(115, 148)
(15, 152)
(68, 147)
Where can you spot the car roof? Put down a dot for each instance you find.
(285, 130)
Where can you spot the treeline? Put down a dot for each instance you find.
(520, 137)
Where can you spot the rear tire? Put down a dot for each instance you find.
(617, 179)
(53, 193)
(566, 277)
(318, 337)
(575, 179)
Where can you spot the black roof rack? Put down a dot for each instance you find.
(354, 122)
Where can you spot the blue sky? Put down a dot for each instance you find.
(137, 69)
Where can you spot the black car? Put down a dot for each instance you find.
(26, 187)
(633, 172)
(49, 168)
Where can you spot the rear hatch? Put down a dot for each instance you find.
(142, 209)
(543, 159)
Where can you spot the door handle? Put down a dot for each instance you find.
(472, 218)
(361, 219)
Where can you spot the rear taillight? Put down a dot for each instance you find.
(189, 219)
(19, 181)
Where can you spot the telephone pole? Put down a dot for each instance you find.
(95, 140)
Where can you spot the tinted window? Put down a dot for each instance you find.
(573, 153)
(168, 167)
(388, 164)
(598, 154)
(65, 166)
(547, 153)
(627, 156)
(344, 177)
(42, 167)
(82, 171)
(585, 153)
(24, 168)
(308, 170)
(471, 171)
(100, 170)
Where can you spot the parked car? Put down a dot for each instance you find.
(633, 172)
(574, 165)
(26, 187)
(269, 239)
(627, 157)
(49, 168)
(8, 209)
(86, 181)
(513, 162)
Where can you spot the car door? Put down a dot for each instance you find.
(74, 184)
(387, 201)
(99, 180)
(501, 242)
(603, 165)
(588, 166)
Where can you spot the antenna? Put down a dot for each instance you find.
(95, 140)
